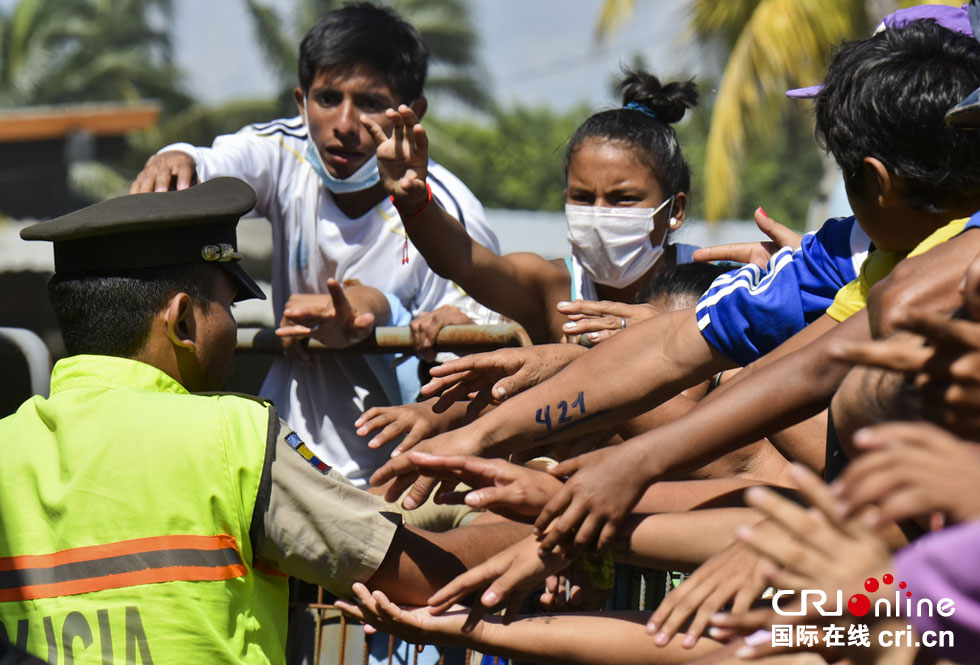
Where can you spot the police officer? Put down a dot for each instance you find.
(140, 521)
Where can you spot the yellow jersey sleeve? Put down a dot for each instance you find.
(853, 296)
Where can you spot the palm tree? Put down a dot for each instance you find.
(72, 51)
(771, 45)
(612, 14)
(58, 51)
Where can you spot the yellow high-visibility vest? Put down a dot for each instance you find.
(125, 510)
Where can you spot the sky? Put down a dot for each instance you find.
(536, 52)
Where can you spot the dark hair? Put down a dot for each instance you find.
(365, 34)
(886, 97)
(682, 285)
(111, 314)
(645, 126)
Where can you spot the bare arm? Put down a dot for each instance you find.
(905, 291)
(680, 541)
(419, 562)
(673, 408)
(803, 441)
(769, 395)
(520, 286)
(607, 637)
(636, 370)
(791, 384)
(630, 373)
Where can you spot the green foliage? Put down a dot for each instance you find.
(515, 160)
(781, 171)
(71, 51)
(76, 51)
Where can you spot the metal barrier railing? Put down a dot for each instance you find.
(35, 354)
(398, 339)
(353, 646)
(634, 589)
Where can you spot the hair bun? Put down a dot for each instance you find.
(667, 102)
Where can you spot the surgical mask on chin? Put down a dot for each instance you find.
(365, 177)
(613, 244)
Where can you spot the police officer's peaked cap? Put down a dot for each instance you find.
(153, 230)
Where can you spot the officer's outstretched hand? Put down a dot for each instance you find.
(328, 318)
(504, 579)
(164, 172)
(403, 157)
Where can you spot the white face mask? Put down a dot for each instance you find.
(365, 177)
(613, 244)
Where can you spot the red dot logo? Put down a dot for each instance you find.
(871, 585)
(887, 578)
(902, 585)
(858, 605)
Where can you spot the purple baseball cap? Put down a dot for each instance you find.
(951, 18)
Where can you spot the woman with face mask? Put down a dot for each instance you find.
(626, 190)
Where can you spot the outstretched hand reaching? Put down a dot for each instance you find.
(403, 157)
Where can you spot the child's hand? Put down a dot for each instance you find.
(733, 576)
(495, 376)
(426, 326)
(909, 470)
(813, 548)
(514, 491)
(416, 421)
(505, 578)
(602, 489)
(758, 253)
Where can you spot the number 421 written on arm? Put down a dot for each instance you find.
(561, 411)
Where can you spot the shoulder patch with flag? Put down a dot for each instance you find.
(297, 444)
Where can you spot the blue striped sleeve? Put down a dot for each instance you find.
(750, 311)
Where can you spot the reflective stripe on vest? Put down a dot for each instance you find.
(121, 564)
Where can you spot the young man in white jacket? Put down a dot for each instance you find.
(317, 182)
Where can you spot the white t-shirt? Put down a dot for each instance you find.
(313, 240)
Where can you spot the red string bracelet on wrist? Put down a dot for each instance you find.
(428, 200)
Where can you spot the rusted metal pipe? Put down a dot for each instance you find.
(398, 339)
